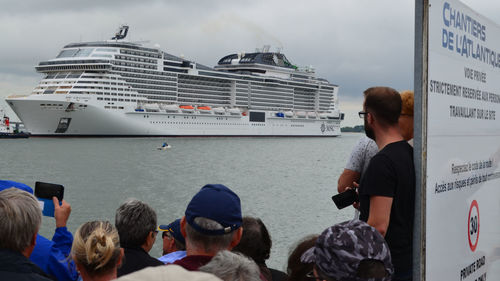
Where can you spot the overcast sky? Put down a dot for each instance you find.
(355, 44)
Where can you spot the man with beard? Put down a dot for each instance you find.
(387, 190)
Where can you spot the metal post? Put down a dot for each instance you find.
(420, 135)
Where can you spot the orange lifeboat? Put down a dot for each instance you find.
(186, 107)
(205, 109)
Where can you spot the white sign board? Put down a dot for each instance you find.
(463, 145)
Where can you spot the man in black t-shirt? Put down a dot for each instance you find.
(387, 190)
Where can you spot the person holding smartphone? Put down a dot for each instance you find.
(52, 255)
(387, 189)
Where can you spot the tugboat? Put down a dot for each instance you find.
(7, 131)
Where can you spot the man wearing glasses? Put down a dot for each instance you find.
(136, 225)
(174, 244)
(387, 190)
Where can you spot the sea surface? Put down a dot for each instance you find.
(287, 182)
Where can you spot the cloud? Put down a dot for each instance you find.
(355, 44)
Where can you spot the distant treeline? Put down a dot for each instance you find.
(355, 129)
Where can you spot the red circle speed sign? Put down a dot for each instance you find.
(473, 225)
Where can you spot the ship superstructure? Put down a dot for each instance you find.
(121, 88)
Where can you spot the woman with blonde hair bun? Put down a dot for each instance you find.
(96, 251)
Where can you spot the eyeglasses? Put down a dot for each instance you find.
(166, 234)
(362, 114)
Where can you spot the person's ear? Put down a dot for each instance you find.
(79, 267)
(33, 240)
(183, 226)
(370, 118)
(171, 241)
(120, 258)
(236, 237)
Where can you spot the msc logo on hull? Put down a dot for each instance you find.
(327, 128)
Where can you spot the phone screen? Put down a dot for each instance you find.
(44, 193)
(345, 198)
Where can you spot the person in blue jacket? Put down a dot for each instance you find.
(52, 255)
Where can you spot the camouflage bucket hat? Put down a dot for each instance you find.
(340, 249)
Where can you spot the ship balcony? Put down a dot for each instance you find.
(70, 65)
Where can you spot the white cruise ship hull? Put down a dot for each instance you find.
(121, 88)
(48, 115)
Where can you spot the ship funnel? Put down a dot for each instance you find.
(121, 33)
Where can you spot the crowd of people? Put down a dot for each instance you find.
(214, 241)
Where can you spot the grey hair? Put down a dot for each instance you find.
(230, 266)
(134, 221)
(20, 219)
(209, 243)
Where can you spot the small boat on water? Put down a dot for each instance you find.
(164, 146)
(9, 132)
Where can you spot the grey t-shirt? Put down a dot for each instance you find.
(361, 154)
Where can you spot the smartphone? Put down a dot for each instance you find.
(345, 199)
(44, 193)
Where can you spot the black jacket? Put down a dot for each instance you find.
(15, 266)
(136, 259)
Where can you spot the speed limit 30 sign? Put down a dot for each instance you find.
(473, 225)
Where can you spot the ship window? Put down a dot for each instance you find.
(61, 75)
(83, 52)
(107, 50)
(102, 55)
(67, 53)
(257, 116)
(49, 91)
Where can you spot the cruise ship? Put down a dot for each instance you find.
(122, 88)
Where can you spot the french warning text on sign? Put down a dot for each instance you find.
(461, 144)
(461, 183)
(457, 168)
(450, 89)
(457, 111)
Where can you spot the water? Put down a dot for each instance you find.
(287, 182)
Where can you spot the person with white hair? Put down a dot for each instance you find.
(20, 219)
(232, 266)
(51, 255)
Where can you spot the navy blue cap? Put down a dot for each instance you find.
(175, 229)
(4, 184)
(216, 202)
